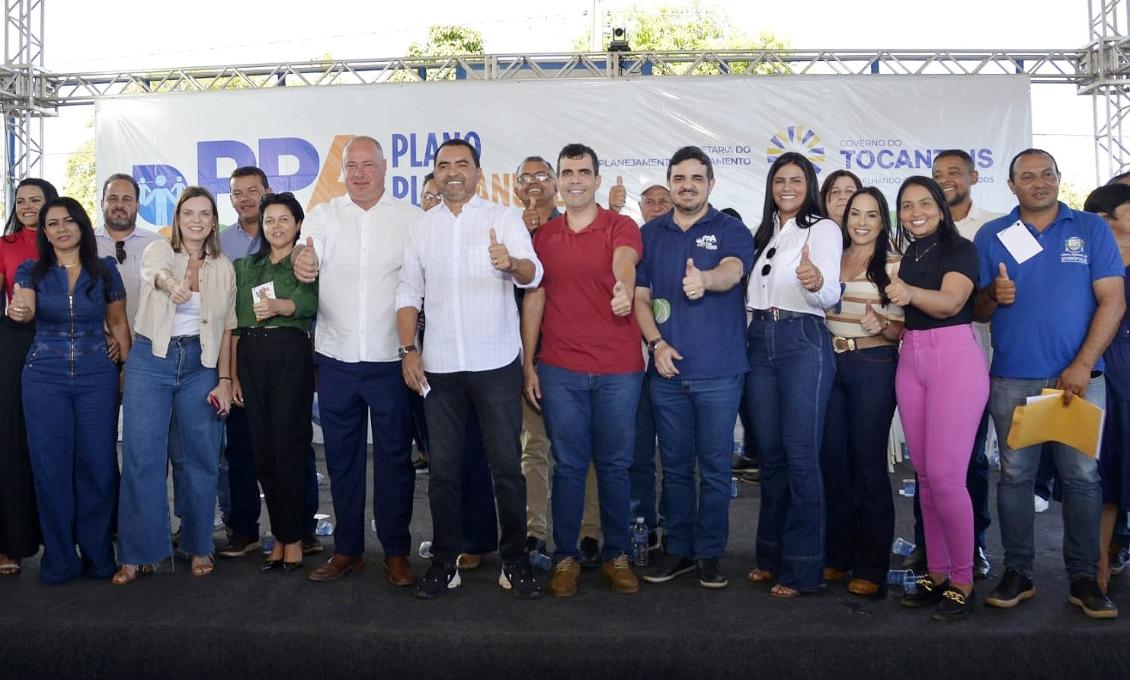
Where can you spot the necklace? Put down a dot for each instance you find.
(918, 256)
(71, 266)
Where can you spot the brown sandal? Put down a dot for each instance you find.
(760, 576)
(10, 569)
(203, 568)
(128, 573)
(784, 592)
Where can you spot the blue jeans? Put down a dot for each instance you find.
(1078, 476)
(156, 388)
(642, 472)
(860, 516)
(695, 420)
(791, 375)
(587, 417)
(72, 428)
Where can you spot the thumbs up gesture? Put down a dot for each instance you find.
(621, 300)
(617, 196)
(1004, 288)
(499, 254)
(873, 323)
(306, 263)
(807, 273)
(18, 309)
(694, 281)
(531, 216)
(179, 292)
(898, 292)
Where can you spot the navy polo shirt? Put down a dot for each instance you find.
(708, 332)
(1039, 335)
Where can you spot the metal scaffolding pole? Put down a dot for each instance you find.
(21, 91)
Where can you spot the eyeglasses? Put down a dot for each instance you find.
(120, 251)
(526, 178)
(429, 196)
(768, 256)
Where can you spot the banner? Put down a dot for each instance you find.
(883, 128)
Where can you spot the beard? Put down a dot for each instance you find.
(119, 225)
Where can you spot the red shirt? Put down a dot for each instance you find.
(14, 250)
(579, 332)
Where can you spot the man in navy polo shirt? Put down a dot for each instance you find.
(691, 313)
(1052, 286)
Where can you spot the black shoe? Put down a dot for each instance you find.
(517, 577)
(271, 565)
(1013, 588)
(1086, 595)
(710, 574)
(311, 545)
(926, 593)
(590, 553)
(981, 564)
(534, 544)
(740, 463)
(1119, 558)
(955, 605)
(916, 561)
(239, 546)
(667, 568)
(438, 579)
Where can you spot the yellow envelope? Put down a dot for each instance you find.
(1044, 418)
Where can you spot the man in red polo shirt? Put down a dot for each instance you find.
(589, 367)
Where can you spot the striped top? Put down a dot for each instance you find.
(843, 319)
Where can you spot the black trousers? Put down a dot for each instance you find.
(496, 398)
(19, 517)
(276, 370)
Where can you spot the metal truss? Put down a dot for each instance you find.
(22, 90)
(1107, 64)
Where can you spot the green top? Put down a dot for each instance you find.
(251, 272)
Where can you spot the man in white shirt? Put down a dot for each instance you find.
(353, 245)
(119, 236)
(461, 263)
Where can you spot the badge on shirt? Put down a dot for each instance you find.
(263, 292)
(1020, 242)
(708, 242)
(1074, 251)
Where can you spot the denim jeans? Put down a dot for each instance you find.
(155, 389)
(642, 472)
(857, 490)
(1078, 476)
(791, 374)
(695, 421)
(586, 416)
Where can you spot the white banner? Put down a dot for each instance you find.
(883, 128)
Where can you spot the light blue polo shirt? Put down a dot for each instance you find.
(1039, 335)
(709, 332)
(236, 243)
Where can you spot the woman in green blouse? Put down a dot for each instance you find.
(274, 371)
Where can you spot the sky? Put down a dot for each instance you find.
(110, 35)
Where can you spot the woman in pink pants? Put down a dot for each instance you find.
(942, 384)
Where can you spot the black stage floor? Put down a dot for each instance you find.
(243, 624)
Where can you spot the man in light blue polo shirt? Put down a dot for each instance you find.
(1052, 286)
(691, 313)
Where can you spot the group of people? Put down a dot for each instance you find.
(563, 343)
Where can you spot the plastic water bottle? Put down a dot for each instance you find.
(902, 547)
(733, 487)
(426, 550)
(909, 488)
(903, 578)
(324, 526)
(539, 560)
(739, 447)
(639, 543)
(267, 544)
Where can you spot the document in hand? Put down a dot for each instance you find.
(1045, 418)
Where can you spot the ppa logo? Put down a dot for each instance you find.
(799, 139)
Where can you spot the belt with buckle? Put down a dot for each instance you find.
(841, 345)
(774, 314)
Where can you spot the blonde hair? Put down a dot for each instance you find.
(212, 243)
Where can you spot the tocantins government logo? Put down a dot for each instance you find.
(796, 138)
(661, 310)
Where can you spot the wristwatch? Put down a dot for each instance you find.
(654, 345)
(403, 351)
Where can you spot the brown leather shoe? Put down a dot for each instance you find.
(468, 561)
(863, 587)
(619, 574)
(336, 567)
(564, 580)
(833, 575)
(399, 571)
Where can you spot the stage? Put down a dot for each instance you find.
(243, 624)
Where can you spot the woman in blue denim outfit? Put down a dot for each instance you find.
(180, 365)
(70, 390)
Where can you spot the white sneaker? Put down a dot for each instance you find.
(1040, 503)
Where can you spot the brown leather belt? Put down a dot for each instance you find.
(841, 345)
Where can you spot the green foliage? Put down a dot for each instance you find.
(448, 41)
(82, 177)
(1071, 194)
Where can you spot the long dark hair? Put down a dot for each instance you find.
(13, 225)
(877, 265)
(810, 211)
(286, 199)
(947, 230)
(87, 246)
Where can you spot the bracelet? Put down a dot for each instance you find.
(224, 377)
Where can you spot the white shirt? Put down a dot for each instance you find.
(472, 317)
(359, 256)
(186, 318)
(968, 228)
(130, 268)
(781, 288)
